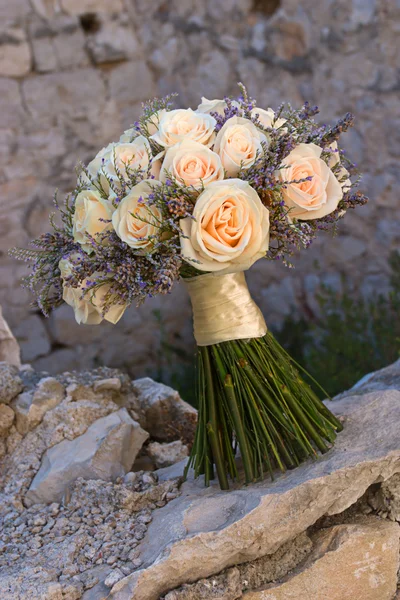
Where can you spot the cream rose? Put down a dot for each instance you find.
(185, 124)
(88, 308)
(154, 122)
(315, 198)
(193, 164)
(114, 313)
(129, 135)
(266, 117)
(127, 157)
(217, 106)
(95, 165)
(230, 228)
(135, 221)
(91, 215)
(238, 143)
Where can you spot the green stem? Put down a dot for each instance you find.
(212, 424)
(239, 429)
(302, 417)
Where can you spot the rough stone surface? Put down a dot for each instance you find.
(81, 546)
(147, 534)
(107, 450)
(385, 379)
(386, 500)
(347, 562)
(30, 407)
(166, 416)
(9, 348)
(231, 583)
(165, 455)
(91, 63)
(6, 418)
(10, 382)
(207, 530)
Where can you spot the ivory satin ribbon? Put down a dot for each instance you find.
(223, 309)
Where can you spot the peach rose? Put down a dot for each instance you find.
(193, 164)
(230, 228)
(185, 124)
(316, 197)
(88, 308)
(91, 212)
(127, 157)
(266, 117)
(135, 221)
(239, 144)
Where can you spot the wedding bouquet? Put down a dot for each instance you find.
(199, 196)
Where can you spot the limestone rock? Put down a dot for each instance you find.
(115, 576)
(386, 500)
(348, 562)
(10, 383)
(229, 584)
(207, 530)
(113, 383)
(9, 348)
(384, 379)
(48, 394)
(6, 418)
(165, 455)
(25, 414)
(31, 407)
(166, 416)
(107, 450)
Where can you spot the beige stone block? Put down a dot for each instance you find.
(80, 7)
(349, 562)
(15, 54)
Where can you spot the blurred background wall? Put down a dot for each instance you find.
(73, 76)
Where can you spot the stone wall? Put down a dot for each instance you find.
(73, 75)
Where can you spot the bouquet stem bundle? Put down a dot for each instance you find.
(252, 398)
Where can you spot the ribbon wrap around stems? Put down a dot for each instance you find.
(223, 309)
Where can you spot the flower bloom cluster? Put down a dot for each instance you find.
(184, 192)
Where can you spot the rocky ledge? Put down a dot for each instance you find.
(93, 506)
